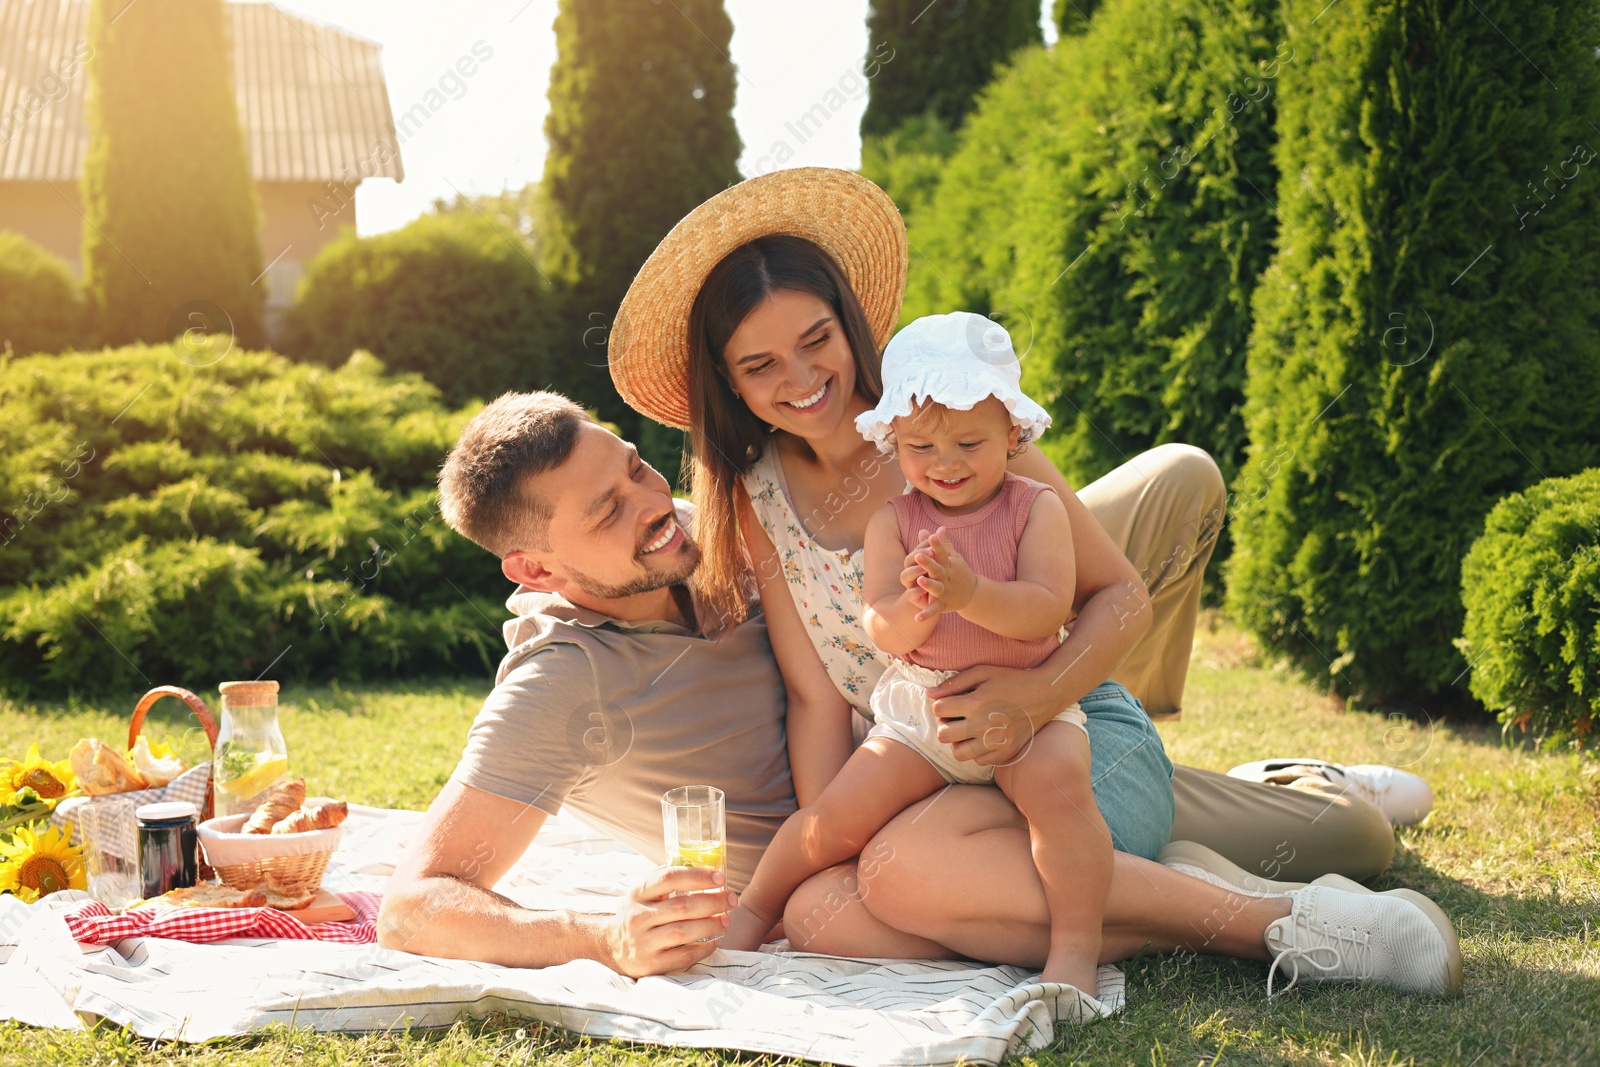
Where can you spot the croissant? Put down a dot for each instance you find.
(280, 803)
(102, 770)
(323, 816)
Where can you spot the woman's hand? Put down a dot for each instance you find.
(990, 714)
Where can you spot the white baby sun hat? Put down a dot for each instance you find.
(956, 360)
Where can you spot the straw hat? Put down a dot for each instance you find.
(841, 212)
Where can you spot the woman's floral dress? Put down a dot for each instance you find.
(825, 584)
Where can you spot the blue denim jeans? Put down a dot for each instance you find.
(1131, 772)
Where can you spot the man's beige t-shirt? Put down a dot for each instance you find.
(603, 716)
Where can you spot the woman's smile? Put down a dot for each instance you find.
(806, 405)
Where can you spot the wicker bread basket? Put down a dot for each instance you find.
(294, 863)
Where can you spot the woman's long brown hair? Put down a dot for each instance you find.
(725, 437)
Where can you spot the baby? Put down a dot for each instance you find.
(973, 565)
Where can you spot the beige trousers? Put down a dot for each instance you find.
(1164, 509)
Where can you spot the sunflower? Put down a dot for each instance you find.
(33, 865)
(49, 781)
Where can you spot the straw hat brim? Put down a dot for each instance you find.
(843, 213)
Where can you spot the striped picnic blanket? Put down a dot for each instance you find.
(786, 1003)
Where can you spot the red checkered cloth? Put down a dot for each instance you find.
(93, 923)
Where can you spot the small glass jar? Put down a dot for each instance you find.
(167, 842)
(251, 754)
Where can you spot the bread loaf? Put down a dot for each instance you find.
(102, 770)
(155, 770)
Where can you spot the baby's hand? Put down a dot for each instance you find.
(911, 572)
(950, 581)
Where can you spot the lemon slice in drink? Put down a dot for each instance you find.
(264, 773)
(712, 855)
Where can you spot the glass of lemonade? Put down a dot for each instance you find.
(695, 817)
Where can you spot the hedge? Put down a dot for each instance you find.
(453, 297)
(1110, 202)
(166, 522)
(1427, 339)
(41, 309)
(1531, 586)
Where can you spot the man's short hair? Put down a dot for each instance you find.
(483, 487)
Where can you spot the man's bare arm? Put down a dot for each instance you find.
(440, 900)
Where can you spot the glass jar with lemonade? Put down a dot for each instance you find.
(251, 754)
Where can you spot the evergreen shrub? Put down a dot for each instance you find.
(453, 297)
(164, 522)
(1531, 587)
(1427, 339)
(1110, 202)
(41, 309)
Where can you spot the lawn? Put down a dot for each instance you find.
(1511, 851)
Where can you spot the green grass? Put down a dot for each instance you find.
(1511, 851)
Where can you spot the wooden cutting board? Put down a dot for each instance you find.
(326, 908)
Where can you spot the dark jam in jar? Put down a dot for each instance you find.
(166, 846)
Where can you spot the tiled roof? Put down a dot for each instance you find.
(312, 100)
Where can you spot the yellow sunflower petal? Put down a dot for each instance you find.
(34, 864)
(51, 781)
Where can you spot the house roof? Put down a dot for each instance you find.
(313, 104)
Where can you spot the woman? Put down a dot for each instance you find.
(757, 324)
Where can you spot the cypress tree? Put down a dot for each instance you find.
(1110, 202)
(1072, 16)
(641, 131)
(1427, 339)
(935, 57)
(173, 230)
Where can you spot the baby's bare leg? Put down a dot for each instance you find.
(1051, 786)
(879, 781)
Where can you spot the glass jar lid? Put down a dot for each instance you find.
(166, 811)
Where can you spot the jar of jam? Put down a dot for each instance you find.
(167, 842)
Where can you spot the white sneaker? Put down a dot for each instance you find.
(1198, 861)
(1403, 797)
(1400, 940)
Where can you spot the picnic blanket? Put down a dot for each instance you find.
(787, 1003)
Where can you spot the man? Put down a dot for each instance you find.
(615, 689)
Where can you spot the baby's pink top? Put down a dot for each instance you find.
(988, 539)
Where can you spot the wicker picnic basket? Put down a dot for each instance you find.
(293, 863)
(112, 814)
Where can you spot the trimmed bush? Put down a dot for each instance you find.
(172, 238)
(1531, 586)
(166, 522)
(452, 297)
(41, 309)
(934, 58)
(1427, 339)
(1109, 202)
